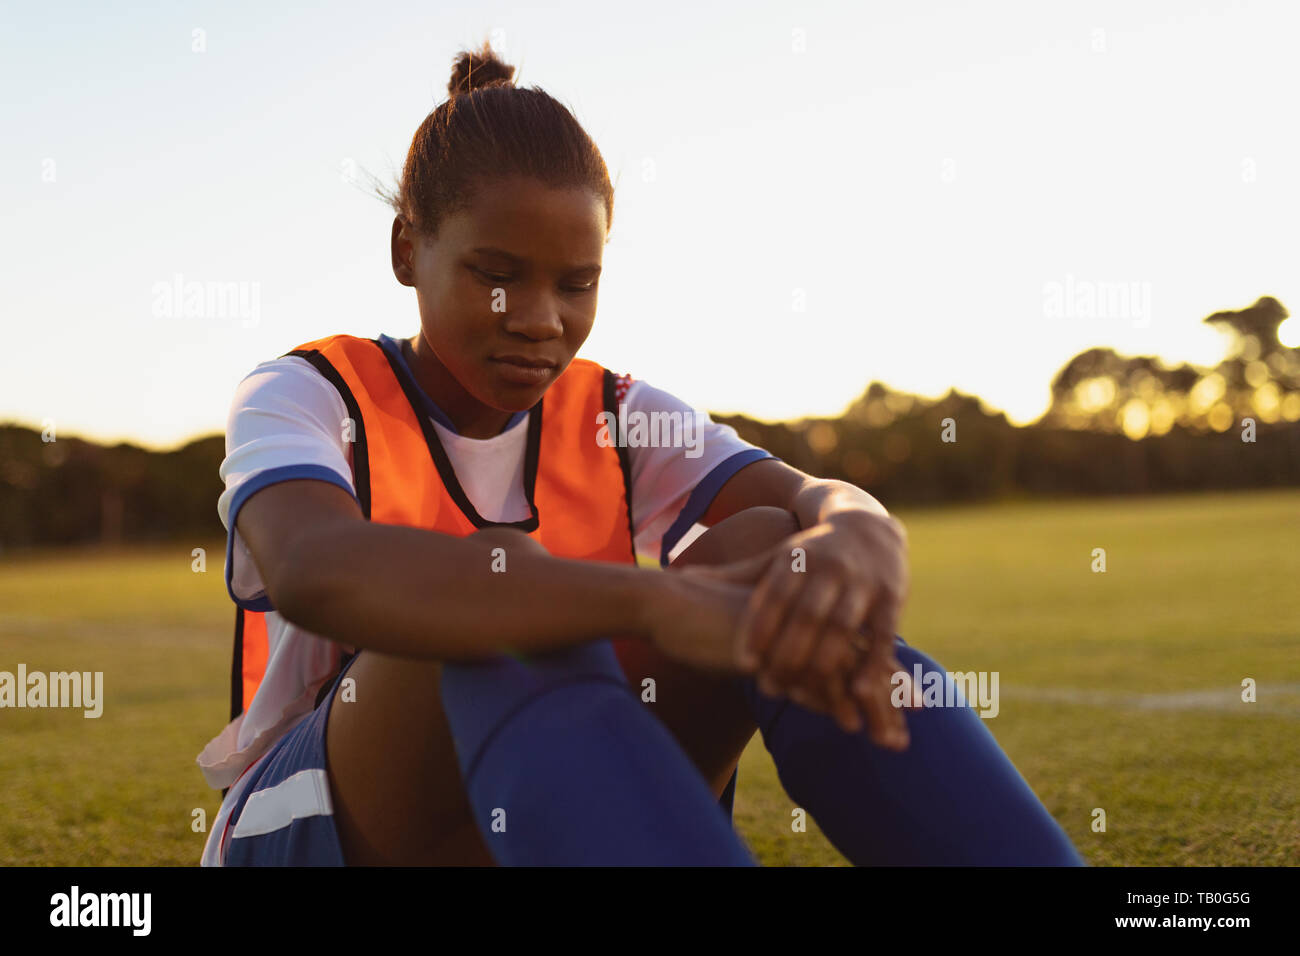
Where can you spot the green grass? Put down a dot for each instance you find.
(1199, 593)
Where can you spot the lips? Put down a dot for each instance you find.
(525, 361)
(522, 370)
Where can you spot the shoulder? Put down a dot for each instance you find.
(285, 415)
(286, 402)
(339, 340)
(676, 435)
(642, 395)
(284, 383)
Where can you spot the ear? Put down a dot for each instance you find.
(403, 246)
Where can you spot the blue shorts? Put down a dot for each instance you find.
(285, 816)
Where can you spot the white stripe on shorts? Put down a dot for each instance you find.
(305, 794)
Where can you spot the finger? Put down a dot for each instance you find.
(869, 668)
(846, 709)
(885, 722)
(883, 692)
(880, 631)
(769, 606)
(849, 619)
(748, 659)
(807, 700)
(850, 612)
(831, 669)
(791, 651)
(875, 694)
(882, 627)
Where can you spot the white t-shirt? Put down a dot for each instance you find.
(284, 424)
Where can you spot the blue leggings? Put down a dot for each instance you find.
(564, 765)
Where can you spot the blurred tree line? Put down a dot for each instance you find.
(1116, 425)
(72, 491)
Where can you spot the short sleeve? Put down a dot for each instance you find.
(677, 470)
(286, 422)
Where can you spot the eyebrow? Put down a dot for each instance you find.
(494, 251)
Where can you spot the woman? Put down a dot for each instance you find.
(464, 663)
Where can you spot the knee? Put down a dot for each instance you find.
(509, 679)
(481, 698)
(911, 658)
(740, 536)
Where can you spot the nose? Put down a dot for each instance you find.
(538, 317)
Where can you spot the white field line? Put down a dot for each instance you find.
(1271, 699)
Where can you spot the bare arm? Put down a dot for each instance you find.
(771, 482)
(417, 593)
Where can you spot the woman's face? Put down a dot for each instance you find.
(507, 295)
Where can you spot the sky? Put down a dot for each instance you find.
(809, 196)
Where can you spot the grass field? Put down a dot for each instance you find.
(1118, 690)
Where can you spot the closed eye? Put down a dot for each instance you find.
(492, 276)
(497, 278)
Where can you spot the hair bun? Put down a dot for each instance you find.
(475, 69)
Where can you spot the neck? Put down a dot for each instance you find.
(471, 417)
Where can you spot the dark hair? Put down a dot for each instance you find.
(489, 128)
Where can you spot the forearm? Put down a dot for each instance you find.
(415, 593)
(819, 498)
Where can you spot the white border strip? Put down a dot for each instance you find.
(305, 794)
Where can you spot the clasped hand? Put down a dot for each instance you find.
(820, 622)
